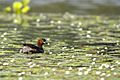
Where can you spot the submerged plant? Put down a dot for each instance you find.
(18, 8)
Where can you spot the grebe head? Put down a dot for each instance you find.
(40, 42)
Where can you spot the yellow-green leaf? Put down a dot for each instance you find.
(8, 9)
(17, 6)
(25, 9)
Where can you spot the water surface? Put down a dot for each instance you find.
(80, 47)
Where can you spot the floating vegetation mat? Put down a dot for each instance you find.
(81, 47)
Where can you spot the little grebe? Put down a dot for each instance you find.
(30, 48)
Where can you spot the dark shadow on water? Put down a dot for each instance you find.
(100, 44)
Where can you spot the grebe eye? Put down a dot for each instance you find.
(44, 40)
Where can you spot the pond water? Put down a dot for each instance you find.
(80, 47)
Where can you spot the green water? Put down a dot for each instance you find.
(81, 47)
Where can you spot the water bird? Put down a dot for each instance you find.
(31, 48)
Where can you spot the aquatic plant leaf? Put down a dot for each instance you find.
(17, 6)
(8, 9)
(25, 9)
